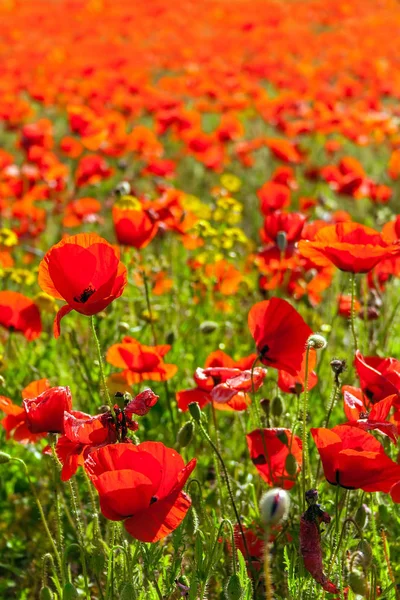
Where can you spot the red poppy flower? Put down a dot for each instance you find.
(280, 333)
(359, 416)
(273, 196)
(354, 459)
(141, 362)
(294, 384)
(33, 389)
(15, 423)
(218, 358)
(19, 313)
(349, 246)
(142, 486)
(227, 388)
(133, 227)
(344, 309)
(291, 224)
(82, 434)
(269, 450)
(379, 377)
(89, 289)
(141, 404)
(45, 413)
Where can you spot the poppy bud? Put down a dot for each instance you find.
(4, 458)
(208, 327)
(365, 551)
(277, 406)
(123, 327)
(185, 434)
(358, 583)
(192, 522)
(265, 405)
(70, 592)
(123, 188)
(361, 517)
(46, 593)
(281, 240)
(291, 465)
(170, 338)
(127, 592)
(233, 589)
(274, 506)
(195, 411)
(317, 341)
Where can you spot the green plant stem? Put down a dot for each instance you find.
(42, 515)
(267, 567)
(352, 312)
(304, 432)
(81, 536)
(230, 493)
(100, 358)
(93, 502)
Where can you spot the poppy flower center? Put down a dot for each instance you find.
(85, 295)
(153, 499)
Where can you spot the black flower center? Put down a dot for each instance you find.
(85, 295)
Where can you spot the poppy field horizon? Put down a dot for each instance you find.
(199, 300)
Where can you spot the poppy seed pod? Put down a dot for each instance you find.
(185, 434)
(274, 506)
(277, 406)
(195, 411)
(4, 458)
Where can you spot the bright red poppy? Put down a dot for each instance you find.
(19, 313)
(350, 247)
(142, 486)
(379, 377)
(227, 388)
(294, 384)
(354, 459)
(291, 224)
(280, 333)
(45, 413)
(269, 450)
(85, 271)
(140, 362)
(273, 196)
(358, 413)
(133, 227)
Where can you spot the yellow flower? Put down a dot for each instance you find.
(231, 182)
(196, 206)
(128, 202)
(228, 210)
(45, 303)
(8, 239)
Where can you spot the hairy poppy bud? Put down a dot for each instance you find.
(366, 551)
(4, 458)
(291, 465)
(358, 583)
(195, 411)
(123, 188)
(123, 327)
(46, 593)
(361, 517)
(233, 589)
(277, 406)
(208, 327)
(70, 592)
(185, 434)
(274, 506)
(265, 405)
(317, 341)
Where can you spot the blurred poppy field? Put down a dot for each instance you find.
(199, 300)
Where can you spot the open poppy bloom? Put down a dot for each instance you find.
(354, 459)
(142, 486)
(19, 313)
(269, 450)
(140, 362)
(42, 412)
(291, 224)
(350, 247)
(227, 387)
(85, 271)
(356, 410)
(294, 384)
(45, 413)
(133, 226)
(273, 196)
(379, 377)
(280, 333)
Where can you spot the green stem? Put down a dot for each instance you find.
(81, 536)
(267, 568)
(42, 515)
(304, 433)
(352, 313)
(103, 379)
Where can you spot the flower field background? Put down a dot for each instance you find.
(199, 299)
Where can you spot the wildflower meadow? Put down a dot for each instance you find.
(199, 299)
